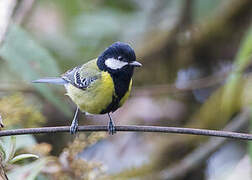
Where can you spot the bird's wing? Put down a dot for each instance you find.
(83, 76)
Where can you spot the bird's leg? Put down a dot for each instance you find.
(111, 126)
(74, 125)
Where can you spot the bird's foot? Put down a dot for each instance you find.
(111, 128)
(74, 125)
(73, 128)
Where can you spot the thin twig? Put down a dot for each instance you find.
(159, 129)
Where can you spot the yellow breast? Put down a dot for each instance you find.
(96, 97)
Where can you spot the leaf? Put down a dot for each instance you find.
(29, 171)
(23, 156)
(12, 147)
(9, 145)
(30, 61)
(244, 55)
(2, 149)
(242, 60)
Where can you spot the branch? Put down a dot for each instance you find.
(159, 129)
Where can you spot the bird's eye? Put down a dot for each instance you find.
(120, 58)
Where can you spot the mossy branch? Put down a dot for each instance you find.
(158, 129)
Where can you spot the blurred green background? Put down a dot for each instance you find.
(196, 72)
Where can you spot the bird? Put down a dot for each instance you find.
(101, 85)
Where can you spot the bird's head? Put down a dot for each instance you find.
(119, 57)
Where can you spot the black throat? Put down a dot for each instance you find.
(121, 82)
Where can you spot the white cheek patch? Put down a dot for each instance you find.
(114, 63)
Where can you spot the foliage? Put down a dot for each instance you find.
(15, 150)
(9, 160)
(65, 167)
(74, 167)
(16, 112)
(243, 60)
(30, 66)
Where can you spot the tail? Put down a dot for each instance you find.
(58, 81)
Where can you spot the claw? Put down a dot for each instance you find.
(1, 122)
(73, 128)
(74, 125)
(111, 126)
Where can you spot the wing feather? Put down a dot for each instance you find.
(83, 76)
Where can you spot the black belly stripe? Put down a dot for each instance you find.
(121, 83)
(112, 106)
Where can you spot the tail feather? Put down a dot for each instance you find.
(58, 81)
